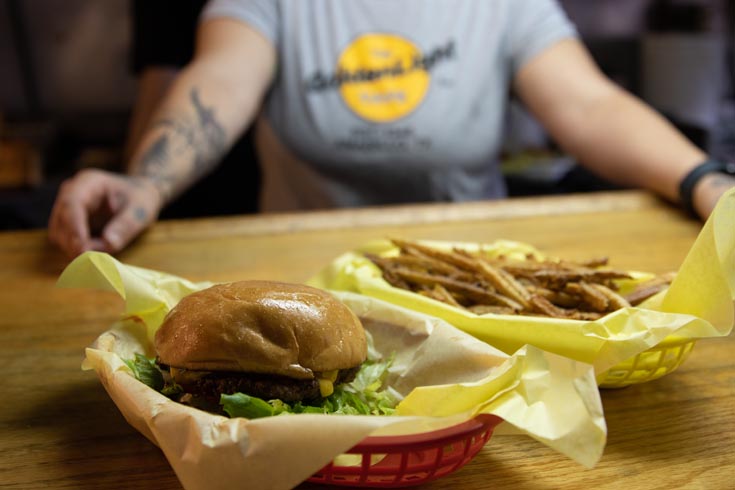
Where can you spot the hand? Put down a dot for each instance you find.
(100, 210)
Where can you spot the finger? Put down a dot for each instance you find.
(78, 200)
(66, 229)
(53, 225)
(100, 245)
(117, 200)
(125, 226)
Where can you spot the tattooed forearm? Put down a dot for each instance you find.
(155, 164)
(212, 133)
(187, 148)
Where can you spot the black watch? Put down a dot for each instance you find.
(687, 184)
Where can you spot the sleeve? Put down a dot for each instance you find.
(262, 15)
(535, 25)
(163, 32)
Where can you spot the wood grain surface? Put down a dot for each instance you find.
(59, 429)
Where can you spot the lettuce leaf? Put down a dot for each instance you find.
(362, 396)
(146, 371)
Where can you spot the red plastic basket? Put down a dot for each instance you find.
(402, 461)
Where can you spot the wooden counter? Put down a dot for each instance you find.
(59, 429)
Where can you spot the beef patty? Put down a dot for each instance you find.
(211, 384)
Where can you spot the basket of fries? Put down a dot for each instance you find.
(650, 364)
(509, 294)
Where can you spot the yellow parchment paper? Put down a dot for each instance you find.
(698, 304)
(444, 375)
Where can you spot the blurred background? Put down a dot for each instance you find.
(68, 85)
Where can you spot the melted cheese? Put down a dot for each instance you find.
(326, 387)
(326, 382)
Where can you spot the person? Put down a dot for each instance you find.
(373, 102)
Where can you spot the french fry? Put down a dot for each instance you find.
(504, 283)
(615, 301)
(458, 260)
(594, 298)
(477, 293)
(441, 293)
(648, 288)
(500, 285)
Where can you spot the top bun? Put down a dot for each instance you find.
(261, 327)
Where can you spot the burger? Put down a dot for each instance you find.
(266, 339)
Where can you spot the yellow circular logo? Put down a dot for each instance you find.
(382, 77)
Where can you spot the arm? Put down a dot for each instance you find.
(608, 130)
(153, 84)
(207, 107)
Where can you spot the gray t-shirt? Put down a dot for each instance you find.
(388, 101)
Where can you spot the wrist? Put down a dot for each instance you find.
(691, 186)
(157, 195)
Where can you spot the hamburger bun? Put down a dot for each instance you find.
(249, 334)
